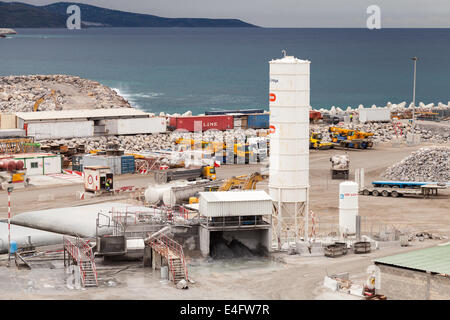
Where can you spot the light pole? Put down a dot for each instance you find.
(10, 189)
(414, 94)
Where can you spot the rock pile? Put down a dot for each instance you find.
(386, 132)
(425, 164)
(19, 93)
(148, 142)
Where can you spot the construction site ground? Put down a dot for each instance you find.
(296, 277)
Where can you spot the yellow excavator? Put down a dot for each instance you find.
(244, 182)
(43, 98)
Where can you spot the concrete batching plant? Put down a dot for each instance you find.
(289, 146)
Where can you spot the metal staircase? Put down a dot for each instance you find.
(173, 252)
(80, 252)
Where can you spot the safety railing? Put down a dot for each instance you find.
(164, 245)
(81, 252)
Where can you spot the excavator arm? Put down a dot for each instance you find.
(43, 98)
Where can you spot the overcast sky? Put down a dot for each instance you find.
(291, 13)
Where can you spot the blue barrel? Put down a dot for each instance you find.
(258, 121)
(13, 247)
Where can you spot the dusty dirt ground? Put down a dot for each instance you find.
(296, 277)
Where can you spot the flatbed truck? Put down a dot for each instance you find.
(400, 188)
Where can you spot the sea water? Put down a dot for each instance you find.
(198, 69)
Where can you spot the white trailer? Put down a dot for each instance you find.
(374, 115)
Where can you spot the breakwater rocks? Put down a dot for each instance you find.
(393, 107)
(6, 31)
(149, 142)
(19, 93)
(425, 164)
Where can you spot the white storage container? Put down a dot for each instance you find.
(239, 203)
(378, 114)
(60, 130)
(136, 125)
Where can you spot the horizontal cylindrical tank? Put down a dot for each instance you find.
(11, 165)
(19, 165)
(154, 194)
(194, 123)
(181, 194)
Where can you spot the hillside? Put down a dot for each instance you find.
(20, 15)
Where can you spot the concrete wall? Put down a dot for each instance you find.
(404, 284)
(204, 239)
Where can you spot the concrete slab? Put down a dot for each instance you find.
(54, 179)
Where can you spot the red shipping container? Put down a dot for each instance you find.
(208, 122)
(315, 115)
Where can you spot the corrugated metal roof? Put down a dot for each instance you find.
(81, 114)
(436, 259)
(232, 196)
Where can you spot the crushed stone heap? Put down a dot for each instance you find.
(19, 93)
(426, 164)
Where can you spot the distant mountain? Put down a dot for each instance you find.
(21, 15)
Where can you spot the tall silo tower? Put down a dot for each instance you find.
(289, 146)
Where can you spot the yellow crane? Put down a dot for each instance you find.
(350, 138)
(43, 98)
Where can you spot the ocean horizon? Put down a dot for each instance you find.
(179, 69)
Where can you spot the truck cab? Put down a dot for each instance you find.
(209, 172)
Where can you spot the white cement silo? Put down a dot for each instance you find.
(348, 207)
(289, 144)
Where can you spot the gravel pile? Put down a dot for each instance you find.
(425, 164)
(19, 93)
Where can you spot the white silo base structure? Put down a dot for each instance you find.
(289, 147)
(348, 207)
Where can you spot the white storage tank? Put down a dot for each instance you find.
(348, 207)
(154, 194)
(289, 103)
(289, 121)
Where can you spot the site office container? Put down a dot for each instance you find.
(207, 122)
